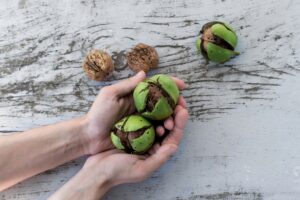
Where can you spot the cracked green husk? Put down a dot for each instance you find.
(213, 49)
(162, 108)
(133, 123)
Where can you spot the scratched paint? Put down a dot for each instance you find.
(238, 195)
(42, 50)
(42, 45)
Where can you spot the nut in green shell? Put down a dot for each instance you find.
(217, 42)
(133, 134)
(156, 97)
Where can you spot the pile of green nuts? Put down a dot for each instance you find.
(154, 99)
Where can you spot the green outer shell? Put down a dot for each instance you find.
(134, 123)
(229, 27)
(218, 54)
(161, 110)
(140, 96)
(144, 142)
(120, 123)
(214, 52)
(222, 31)
(168, 84)
(198, 44)
(116, 141)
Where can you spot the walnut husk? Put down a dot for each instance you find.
(142, 57)
(98, 65)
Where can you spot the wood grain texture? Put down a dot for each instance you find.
(42, 46)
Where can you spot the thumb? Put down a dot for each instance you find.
(156, 160)
(126, 86)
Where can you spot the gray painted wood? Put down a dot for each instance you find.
(242, 141)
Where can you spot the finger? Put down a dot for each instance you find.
(132, 108)
(113, 151)
(158, 159)
(160, 131)
(109, 145)
(151, 151)
(178, 108)
(107, 153)
(154, 148)
(129, 103)
(182, 102)
(180, 83)
(126, 86)
(169, 124)
(180, 119)
(142, 157)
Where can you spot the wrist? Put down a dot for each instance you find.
(95, 136)
(88, 140)
(104, 184)
(84, 185)
(81, 128)
(98, 184)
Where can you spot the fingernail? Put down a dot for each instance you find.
(141, 72)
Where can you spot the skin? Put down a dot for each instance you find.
(26, 154)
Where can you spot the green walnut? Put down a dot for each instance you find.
(156, 97)
(133, 134)
(217, 42)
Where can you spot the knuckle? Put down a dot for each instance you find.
(107, 90)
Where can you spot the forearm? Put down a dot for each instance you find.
(83, 186)
(26, 154)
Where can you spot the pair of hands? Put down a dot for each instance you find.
(113, 103)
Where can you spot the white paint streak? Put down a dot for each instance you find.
(244, 134)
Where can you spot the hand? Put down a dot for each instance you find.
(119, 167)
(113, 103)
(113, 167)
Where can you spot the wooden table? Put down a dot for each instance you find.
(243, 139)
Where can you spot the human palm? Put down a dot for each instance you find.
(127, 168)
(113, 103)
(112, 167)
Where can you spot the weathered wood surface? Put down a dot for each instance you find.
(242, 141)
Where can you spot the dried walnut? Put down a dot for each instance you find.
(98, 65)
(142, 57)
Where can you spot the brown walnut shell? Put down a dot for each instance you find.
(142, 57)
(98, 65)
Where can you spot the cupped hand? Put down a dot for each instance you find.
(113, 103)
(119, 167)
